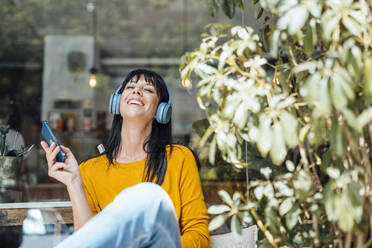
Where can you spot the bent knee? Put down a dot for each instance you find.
(145, 193)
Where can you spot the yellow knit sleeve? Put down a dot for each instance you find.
(193, 217)
(88, 187)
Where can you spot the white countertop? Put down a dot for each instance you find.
(41, 204)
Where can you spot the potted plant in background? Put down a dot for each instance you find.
(298, 91)
(10, 164)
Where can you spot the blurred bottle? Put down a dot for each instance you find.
(87, 114)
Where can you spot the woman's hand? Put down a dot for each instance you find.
(66, 172)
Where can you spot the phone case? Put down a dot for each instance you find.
(48, 135)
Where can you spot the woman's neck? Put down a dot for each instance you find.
(133, 138)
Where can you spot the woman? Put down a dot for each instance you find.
(139, 150)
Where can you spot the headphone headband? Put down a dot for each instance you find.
(169, 96)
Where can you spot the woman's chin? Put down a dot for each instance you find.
(138, 117)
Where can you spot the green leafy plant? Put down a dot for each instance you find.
(302, 85)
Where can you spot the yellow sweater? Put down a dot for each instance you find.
(102, 182)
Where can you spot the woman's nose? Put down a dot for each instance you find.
(137, 91)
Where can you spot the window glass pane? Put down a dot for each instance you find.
(47, 52)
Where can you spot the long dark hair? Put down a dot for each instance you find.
(161, 134)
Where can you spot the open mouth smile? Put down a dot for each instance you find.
(135, 102)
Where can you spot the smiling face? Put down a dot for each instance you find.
(139, 100)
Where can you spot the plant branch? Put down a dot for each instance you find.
(304, 157)
(353, 145)
(367, 166)
(370, 132)
(316, 229)
(267, 234)
(348, 239)
(368, 244)
(312, 167)
(291, 55)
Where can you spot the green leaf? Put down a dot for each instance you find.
(239, 4)
(274, 43)
(355, 66)
(212, 7)
(241, 116)
(246, 217)
(337, 95)
(265, 139)
(315, 8)
(218, 209)
(356, 200)
(205, 90)
(290, 165)
(200, 126)
(329, 202)
(311, 85)
(236, 198)
(355, 197)
(352, 25)
(206, 68)
(278, 150)
(268, 191)
(340, 141)
(313, 26)
(258, 192)
(289, 126)
(226, 197)
(228, 8)
(365, 117)
(298, 20)
(323, 107)
(303, 185)
(236, 228)
(308, 41)
(344, 212)
(266, 172)
(329, 22)
(291, 217)
(306, 66)
(247, 206)
(281, 5)
(216, 222)
(258, 12)
(342, 77)
(294, 19)
(206, 136)
(358, 16)
(223, 56)
(212, 150)
(286, 205)
(284, 20)
(333, 172)
(368, 76)
(351, 119)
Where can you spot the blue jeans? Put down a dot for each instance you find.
(140, 216)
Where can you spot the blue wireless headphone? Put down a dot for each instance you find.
(163, 113)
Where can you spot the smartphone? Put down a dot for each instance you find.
(48, 136)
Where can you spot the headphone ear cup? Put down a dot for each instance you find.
(159, 112)
(167, 113)
(117, 107)
(114, 106)
(163, 113)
